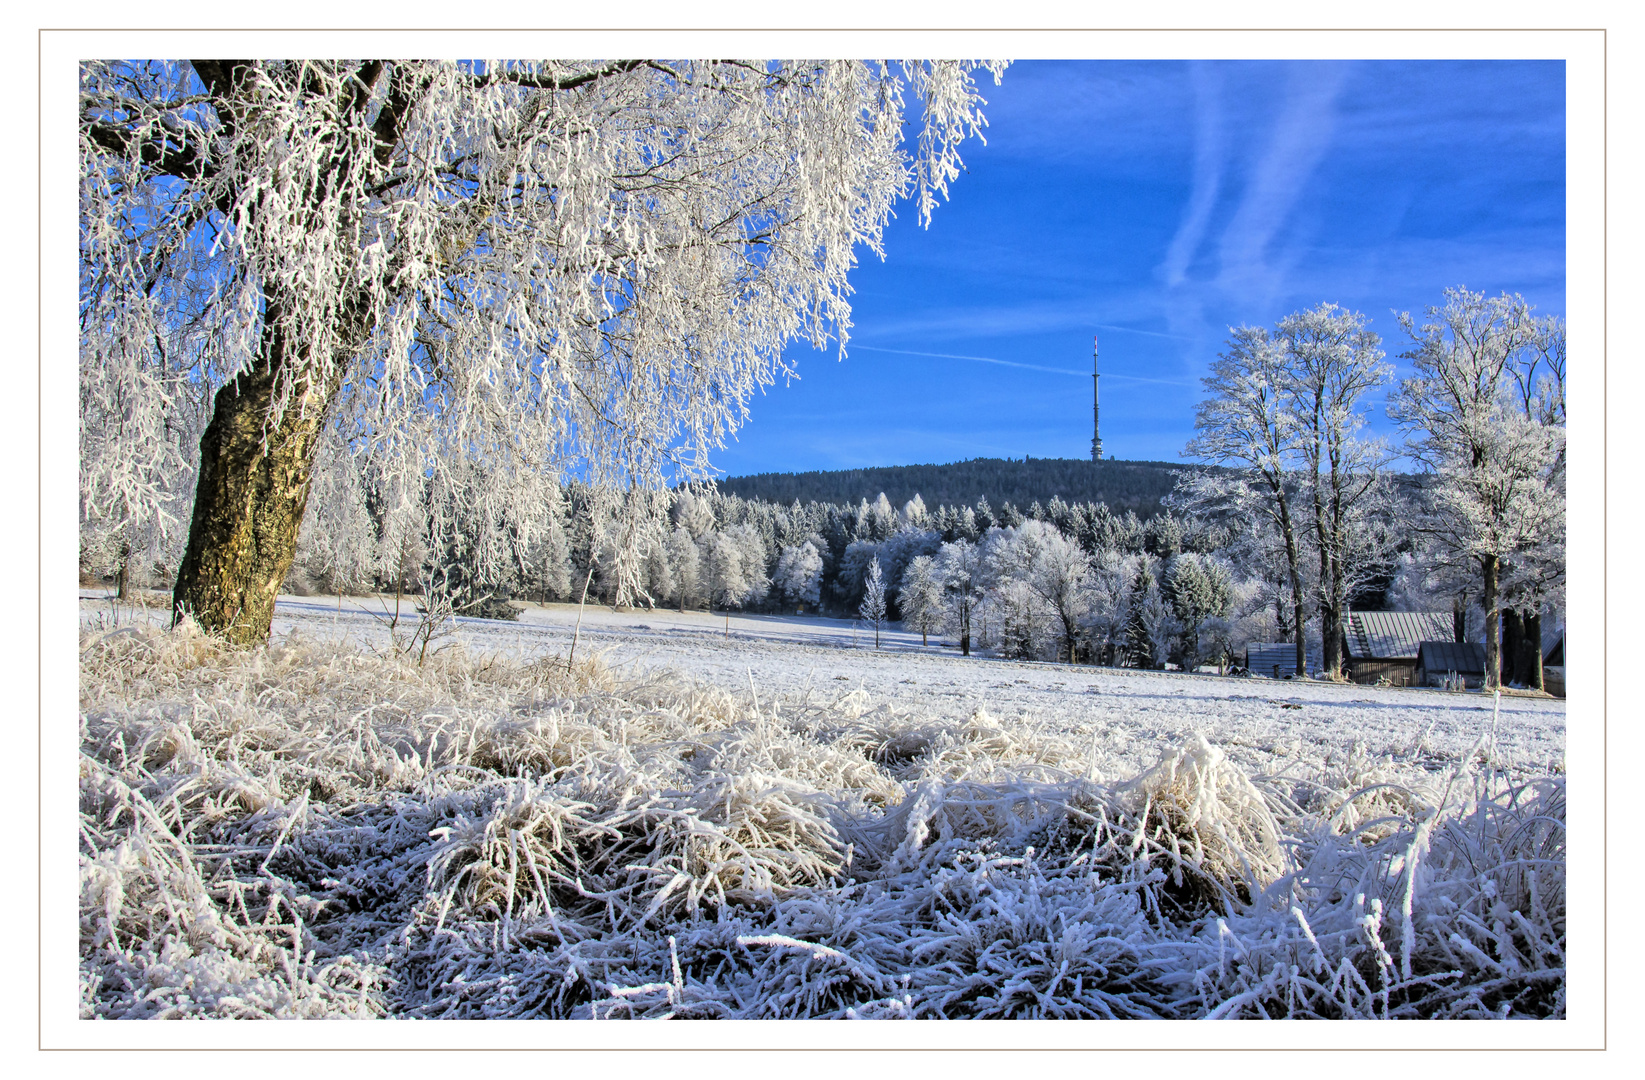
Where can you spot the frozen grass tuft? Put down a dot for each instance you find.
(312, 830)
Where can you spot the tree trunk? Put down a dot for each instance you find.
(1331, 635)
(1337, 595)
(249, 501)
(122, 579)
(1489, 565)
(1324, 588)
(1302, 644)
(1530, 657)
(1293, 563)
(1513, 642)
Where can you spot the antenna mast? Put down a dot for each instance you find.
(1096, 411)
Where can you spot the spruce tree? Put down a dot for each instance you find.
(872, 608)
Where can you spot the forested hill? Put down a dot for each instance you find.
(1123, 485)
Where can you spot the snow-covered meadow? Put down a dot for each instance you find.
(765, 816)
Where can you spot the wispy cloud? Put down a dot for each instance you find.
(914, 322)
(1300, 138)
(1209, 151)
(979, 359)
(1029, 367)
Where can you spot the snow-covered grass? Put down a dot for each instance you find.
(776, 824)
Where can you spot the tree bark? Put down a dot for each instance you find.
(1513, 642)
(122, 580)
(250, 498)
(1489, 565)
(1331, 639)
(1336, 605)
(1530, 657)
(1322, 540)
(1276, 488)
(254, 473)
(1302, 643)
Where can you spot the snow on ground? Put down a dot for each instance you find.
(767, 816)
(1260, 722)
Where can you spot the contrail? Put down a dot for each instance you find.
(1016, 364)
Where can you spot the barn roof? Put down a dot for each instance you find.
(1394, 635)
(1462, 657)
(1262, 657)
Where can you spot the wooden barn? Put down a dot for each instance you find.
(1553, 666)
(1439, 660)
(1274, 660)
(1382, 646)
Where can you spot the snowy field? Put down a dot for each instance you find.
(767, 816)
(1259, 722)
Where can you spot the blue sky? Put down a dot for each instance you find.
(1156, 203)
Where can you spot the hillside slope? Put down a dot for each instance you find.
(1123, 485)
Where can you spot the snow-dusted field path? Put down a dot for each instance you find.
(1259, 722)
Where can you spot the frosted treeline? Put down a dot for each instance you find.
(309, 830)
(1066, 581)
(1310, 523)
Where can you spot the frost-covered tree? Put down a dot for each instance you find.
(692, 513)
(896, 553)
(751, 548)
(631, 528)
(1200, 590)
(531, 264)
(140, 425)
(1019, 614)
(551, 558)
(961, 571)
(658, 572)
(920, 597)
(1062, 578)
(1150, 627)
(1286, 410)
(1245, 422)
(724, 574)
(872, 608)
(853, 571)
(799, 574)
(475, 557)
(339, 547)
(983, 515)
(1253, 547)
(1057, 574)
(1333, 362)
(1110, 595)
(1485, 412)
(684, 562)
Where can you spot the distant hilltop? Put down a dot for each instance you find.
(1123, 485)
